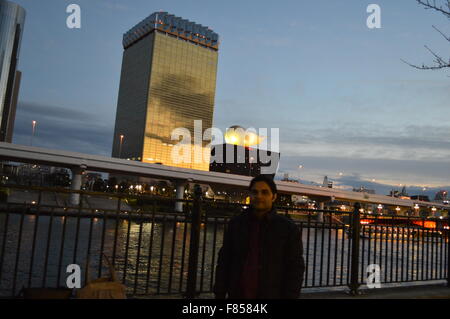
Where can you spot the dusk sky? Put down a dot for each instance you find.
(339, 92)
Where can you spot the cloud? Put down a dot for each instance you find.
(63, 128)
(413, 154)
(49, 112)
(363, 170)
(116, 6)
(355, 181)
(422, 142)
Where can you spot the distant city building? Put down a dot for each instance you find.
(399, 194)
(441, 196)
(327, 183)
(241, 155)
(286, 178)
(362, 189)
(423, 198)
(241, 160)
(168, 80)
(403, 192)
(12, 20)
(394, 193)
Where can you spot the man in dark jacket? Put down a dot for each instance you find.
(262, 253)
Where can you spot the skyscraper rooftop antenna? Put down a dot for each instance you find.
(156, 20)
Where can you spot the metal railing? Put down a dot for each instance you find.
(156, 250)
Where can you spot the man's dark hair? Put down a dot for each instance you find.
(266, 179)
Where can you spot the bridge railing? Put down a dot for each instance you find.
(156, 250)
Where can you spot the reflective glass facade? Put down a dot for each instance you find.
(12, 19)
(167, 82)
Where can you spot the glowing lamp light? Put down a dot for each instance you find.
(251, 139)
(233, 139)
(426, 224)
(237, 135)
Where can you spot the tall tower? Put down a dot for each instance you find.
(12, 20)
(168, 81)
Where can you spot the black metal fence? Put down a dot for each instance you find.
(158, 251)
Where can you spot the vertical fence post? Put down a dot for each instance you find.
(448, 249)
(39, 199)
(355, 233)
(194, 244)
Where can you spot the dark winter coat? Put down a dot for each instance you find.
(281, 263)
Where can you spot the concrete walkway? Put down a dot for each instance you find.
(435, 291)
(427, 291)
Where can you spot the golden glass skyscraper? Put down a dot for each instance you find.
(12, 20)
(168, 81)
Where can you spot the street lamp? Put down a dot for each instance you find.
(434, 209)
(416, 208)
(397, 209)
(423, 193)
(120, 146)
(33, 130)
(380, 207)
(299, 174)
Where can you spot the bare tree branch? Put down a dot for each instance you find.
(439, 62)
(445, 37)
(433, 6)
(424, 67)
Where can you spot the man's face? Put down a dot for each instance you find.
(261, 197)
